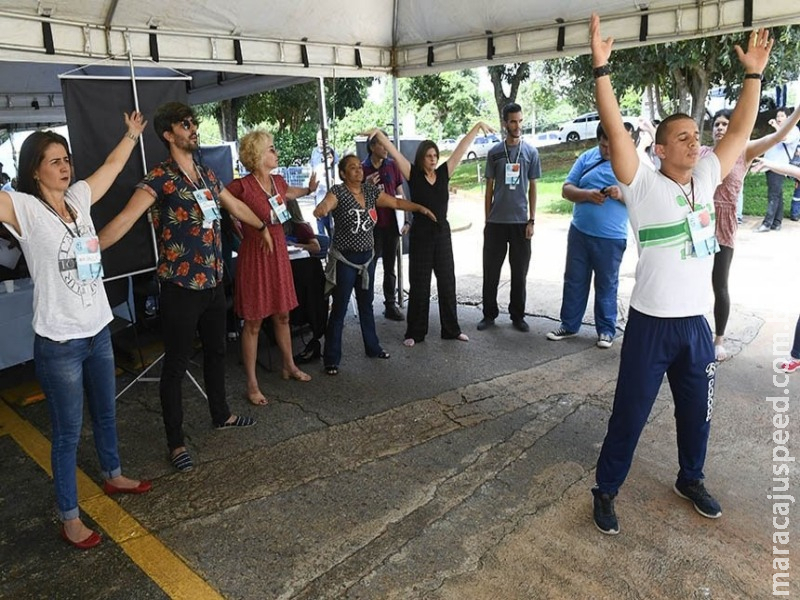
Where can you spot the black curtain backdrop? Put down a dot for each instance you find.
(94, 109)
(219, 159)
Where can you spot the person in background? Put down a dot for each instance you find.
(726, 199)
(186, 198)
(671, 214)
(431, 247)
(512, 168)
(50, 217)
(598, 236)
(264, 285)
(350, 258)
(780, 153)
(325, 171)
(382, 171)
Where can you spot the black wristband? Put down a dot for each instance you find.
(753, 76)
(602, 71)
(263, 226)
(531, 221)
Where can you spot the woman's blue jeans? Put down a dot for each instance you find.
(65, 371)
(347, 279)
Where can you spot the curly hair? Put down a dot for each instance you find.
(253, 146)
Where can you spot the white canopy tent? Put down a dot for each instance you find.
(224, 44)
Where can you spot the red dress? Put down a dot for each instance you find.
(264, 284)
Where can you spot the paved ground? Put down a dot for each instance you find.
(453, 471)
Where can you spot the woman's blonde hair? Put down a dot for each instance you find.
(253, 146)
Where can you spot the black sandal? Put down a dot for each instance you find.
(332, 369)
(384, 355)
(312, 351)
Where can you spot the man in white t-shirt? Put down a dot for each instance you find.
(671, 213)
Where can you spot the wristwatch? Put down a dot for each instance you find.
(263, 226)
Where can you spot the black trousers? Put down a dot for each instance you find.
(386, 240)
(775, 201)
(185, 312)
(312, 304)
(431, 251)
(497, 238)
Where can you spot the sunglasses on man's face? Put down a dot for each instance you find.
(188, 122)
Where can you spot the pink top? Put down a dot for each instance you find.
(726, 198)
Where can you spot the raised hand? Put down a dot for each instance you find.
(135, 123)
(755, 58)
(601, 48)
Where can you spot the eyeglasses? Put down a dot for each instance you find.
(188, 122)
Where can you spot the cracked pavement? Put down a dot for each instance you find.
(452, 471)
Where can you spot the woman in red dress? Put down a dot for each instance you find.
(264, 285)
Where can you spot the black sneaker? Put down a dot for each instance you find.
(561, 334)
(485, 323)
(393, 313)
(521, 325)
(704, 502)
(605, 519)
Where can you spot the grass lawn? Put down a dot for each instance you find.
(556, 163)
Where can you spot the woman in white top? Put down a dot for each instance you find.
(50, 216)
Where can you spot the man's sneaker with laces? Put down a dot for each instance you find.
(604, 341)
(791, 365)
(561, 334)
(605, 519)
(704, 502)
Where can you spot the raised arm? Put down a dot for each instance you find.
(624, 158)
(121, 224)
(7, 212)
(762, 164)
(293, 193)
(744, 115)
(402, 161)
(760, 145)
(329, 202)
(387, 201)
(461, 147)
(104, 176)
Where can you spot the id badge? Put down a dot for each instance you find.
(279, 210)
(208, 205)
(512, 175)
(87, 258)
(703, 232)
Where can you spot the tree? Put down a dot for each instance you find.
(512, 75)
(453, 95)
(681, 73)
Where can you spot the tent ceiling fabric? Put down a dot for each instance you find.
(280, 38)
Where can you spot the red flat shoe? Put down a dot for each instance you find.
(89, 542)
(111, 489)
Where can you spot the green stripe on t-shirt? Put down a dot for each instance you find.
(669, 234)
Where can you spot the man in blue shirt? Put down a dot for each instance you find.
(512, 168)
(595, 244)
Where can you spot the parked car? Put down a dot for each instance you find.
(544, 138)
(481, 145)
(447, 145)
(584, 127)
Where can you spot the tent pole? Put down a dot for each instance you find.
(323, 127)
(400, 299)
(135, 91)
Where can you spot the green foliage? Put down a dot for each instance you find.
(453, 97)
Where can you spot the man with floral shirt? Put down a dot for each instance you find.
(185, 199)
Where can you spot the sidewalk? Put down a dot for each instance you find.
(452, 471)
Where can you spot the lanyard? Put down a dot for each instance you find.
(519, 151)
(73, 234)
(685, 195)
(199, 174)
(272, 181)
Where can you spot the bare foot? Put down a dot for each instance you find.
(409, 342)
(462, 337)
(256, 398)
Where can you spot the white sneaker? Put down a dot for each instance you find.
(605, 341)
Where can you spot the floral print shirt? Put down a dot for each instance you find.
(189, 255)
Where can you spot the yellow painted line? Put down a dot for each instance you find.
(159, 563)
